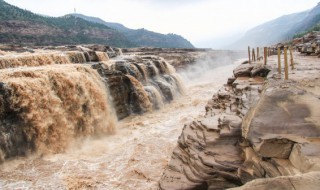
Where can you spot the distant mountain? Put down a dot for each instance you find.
(280, 29)
(18, 26)
(113, 25)
(311, 20)
(143, 37)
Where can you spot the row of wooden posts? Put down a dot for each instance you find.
(271, 51)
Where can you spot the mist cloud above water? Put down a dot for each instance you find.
(207, 67)
(203, 22)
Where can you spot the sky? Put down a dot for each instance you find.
(205, 23)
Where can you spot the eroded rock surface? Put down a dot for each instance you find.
(277, 145)
(267, 133)
(209, 150)
(251, 70)
(302, 181)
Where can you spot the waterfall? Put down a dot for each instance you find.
(95, 56)
(41, 59)
(43, 109)
(50, 98)
(76, 57)
(102, 56)
(151, 80)
(138, 97)
(153, 71)
(143, 70)
(10, 61)
(154, 96)
(179, 83)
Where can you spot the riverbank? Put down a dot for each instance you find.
(259, 126)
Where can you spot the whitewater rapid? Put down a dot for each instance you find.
(133, 158)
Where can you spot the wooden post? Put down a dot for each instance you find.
(249, 55)
(279, 60)
(258, 56)
(269, 52)
(265, 55)
(286, 64)
(253, 55)
(291, 58)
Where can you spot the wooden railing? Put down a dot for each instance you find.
(270, 51)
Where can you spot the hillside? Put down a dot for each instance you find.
(113, 25)
(18, 26)
(143, 37)
(311, 20)
(280, 29)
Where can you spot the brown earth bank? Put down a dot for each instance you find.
(259, 132)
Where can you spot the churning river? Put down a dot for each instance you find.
(134, 157)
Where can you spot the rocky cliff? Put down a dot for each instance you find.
(253, 129)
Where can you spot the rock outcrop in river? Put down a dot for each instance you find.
(253, 130)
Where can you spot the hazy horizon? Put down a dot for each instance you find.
(205, 23)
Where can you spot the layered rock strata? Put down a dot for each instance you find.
(252, 130)
(283, 131)
(209, 150)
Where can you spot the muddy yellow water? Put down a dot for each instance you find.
(133, 158)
